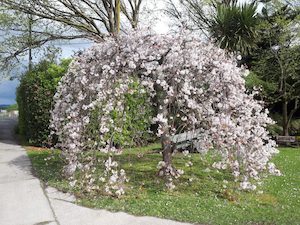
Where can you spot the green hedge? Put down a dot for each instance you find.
(135, 121)
(34, 97)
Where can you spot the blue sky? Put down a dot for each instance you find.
(8, 88)
(7, 92)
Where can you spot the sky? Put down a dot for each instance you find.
(8, 88)
(7, 92)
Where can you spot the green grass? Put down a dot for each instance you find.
(203, 201)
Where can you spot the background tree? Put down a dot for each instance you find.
(21, 35)
(275, 61)
(233, 26)
(190, 14)
(29, 24)
(230, 24)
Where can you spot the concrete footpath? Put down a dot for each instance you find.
(24, 201)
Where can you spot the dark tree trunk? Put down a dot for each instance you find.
(30, 22)
(167, 149)
(167, 145)
(285, 120)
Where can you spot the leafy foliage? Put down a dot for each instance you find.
(34, 97)
(270, 80)
(275, 62)
(135, 121)
(230, 24)
(233, 26)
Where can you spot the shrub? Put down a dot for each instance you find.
(34, 97)
(276, 129)
(295, 127)
(134, 121)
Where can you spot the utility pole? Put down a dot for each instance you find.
(30, 22)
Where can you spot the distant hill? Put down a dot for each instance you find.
(9, 107)
(4, 106)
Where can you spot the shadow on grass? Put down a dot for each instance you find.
(48, 166)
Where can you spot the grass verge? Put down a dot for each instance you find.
(204, 199)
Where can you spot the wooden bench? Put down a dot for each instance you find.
(287, 140)
(186, 139)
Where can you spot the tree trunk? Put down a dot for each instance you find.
(285, 121)
(167, 149)
(165, 141)
(117, 16)
(167, 146)
(30, 42)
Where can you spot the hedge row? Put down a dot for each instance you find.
(34, 97)
(35, 100)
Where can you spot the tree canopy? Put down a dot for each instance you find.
(29, 24)
(275, 60)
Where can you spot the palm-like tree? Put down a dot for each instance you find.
(234, 26)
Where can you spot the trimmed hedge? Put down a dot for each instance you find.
(35, 100)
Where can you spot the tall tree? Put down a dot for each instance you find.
(231, 25)
(91, 18)
(60, 20)
(275, 61)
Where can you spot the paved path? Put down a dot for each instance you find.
(23, 200)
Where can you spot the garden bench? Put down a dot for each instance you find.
(186, 139)
(287, 140)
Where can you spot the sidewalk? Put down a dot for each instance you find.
(23, 201)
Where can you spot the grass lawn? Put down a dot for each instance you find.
(207, 199)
